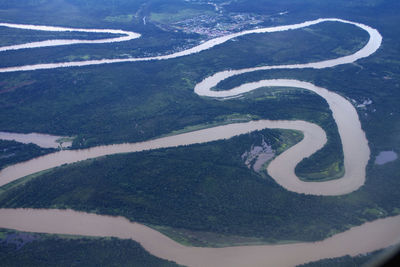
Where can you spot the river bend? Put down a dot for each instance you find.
(361, 239)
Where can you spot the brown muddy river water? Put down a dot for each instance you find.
(362, 239)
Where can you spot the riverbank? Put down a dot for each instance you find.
(356, 155)
(361, 239)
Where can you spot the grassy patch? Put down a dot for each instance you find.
(180, 14)
(333, 171)
(215, 240)
(120, 18)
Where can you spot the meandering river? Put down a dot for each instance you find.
(126, 36)
(373, 44)
(314, 139)
(361, 239)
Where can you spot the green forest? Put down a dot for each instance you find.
(205, 188)
(28, 249)
(346, 261)
(201, 195)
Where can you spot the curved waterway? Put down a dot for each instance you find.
(373, 44)
(126, 36)
(361, 239)
(314, 139)
(355, 145)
